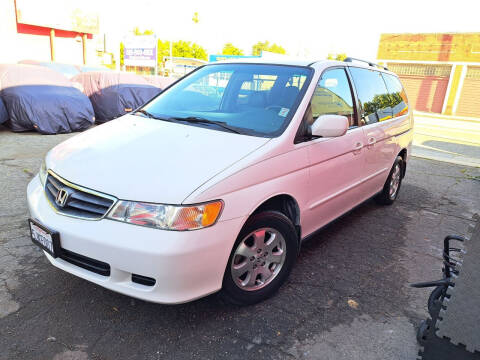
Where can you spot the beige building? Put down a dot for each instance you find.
(440, 71)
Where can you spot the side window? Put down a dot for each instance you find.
(398, 97)
(333, 95)
(372, 95)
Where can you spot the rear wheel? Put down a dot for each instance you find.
(391, 188)
(261, 259)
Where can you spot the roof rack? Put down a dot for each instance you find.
(351, 59)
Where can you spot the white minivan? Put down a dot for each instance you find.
(214, 183)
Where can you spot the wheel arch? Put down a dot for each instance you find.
(403, 155)
(285, 204)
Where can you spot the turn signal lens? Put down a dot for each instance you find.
(167, 217)
(211, 212)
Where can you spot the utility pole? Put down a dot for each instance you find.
(84, 48)
(52, 44)
(171, 58)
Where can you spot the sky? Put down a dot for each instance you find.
(308, 29)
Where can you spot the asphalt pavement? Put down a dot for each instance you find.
(347, 297)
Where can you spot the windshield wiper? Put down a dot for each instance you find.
(150, 115)
(195, 119)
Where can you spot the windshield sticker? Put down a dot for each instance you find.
(330, 83)
(283, 112)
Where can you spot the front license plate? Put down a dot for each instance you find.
(45, 238)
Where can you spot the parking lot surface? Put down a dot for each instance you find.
(347, 297)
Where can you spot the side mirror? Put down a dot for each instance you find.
(330, 126)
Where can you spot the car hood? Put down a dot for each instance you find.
(141, 159)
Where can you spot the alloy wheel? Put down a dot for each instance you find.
(395, 181)
(258, 259)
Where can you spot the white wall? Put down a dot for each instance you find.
(15, 47)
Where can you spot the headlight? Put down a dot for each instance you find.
(42, 173)
(167, 217)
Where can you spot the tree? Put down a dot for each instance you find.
(163, 50)
(229, 49)
(195, 17)
(265, 46)
(122, 46)
(199, 52)
(180, 48)
(136, 31)
(338, 57)
(276, 49)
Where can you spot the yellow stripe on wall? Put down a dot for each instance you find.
(453, 89)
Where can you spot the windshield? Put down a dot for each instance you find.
(253, 99)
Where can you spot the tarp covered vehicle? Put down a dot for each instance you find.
(114, 94)
(3, 112)
(69, 70)
(159, 81)
(38, 98)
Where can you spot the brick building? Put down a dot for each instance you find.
(440, 71)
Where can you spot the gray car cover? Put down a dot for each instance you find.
(38, 98)
(66, 69)
(3, 112)
(69, 70)
(114, 94)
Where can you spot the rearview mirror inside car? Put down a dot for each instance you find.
(330, 126)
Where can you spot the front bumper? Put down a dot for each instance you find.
(186, 265)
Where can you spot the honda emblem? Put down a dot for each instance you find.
(62, 197)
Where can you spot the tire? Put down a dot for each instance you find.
(392, 186)
(261, 259)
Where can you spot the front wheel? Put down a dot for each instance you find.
(261, 259)
(391, 188)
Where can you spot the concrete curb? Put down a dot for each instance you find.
(447, 160)
(446, 117)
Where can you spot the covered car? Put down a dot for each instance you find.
(82, 68)
(159, 81)
(67, 70)
(38, 98)
(114, 94)
(3, 112)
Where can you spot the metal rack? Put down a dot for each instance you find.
(352, 59)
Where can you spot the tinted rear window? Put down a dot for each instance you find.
(372, 95)
(398, 97)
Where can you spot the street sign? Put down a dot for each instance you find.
(140, 50)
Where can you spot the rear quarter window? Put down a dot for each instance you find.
(398, 97)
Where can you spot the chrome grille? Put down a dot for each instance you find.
(79, 202)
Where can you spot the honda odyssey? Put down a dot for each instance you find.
(214, 184)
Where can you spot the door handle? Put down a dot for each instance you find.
(371, 141)
(358, 147)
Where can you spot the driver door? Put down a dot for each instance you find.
(336, 164)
